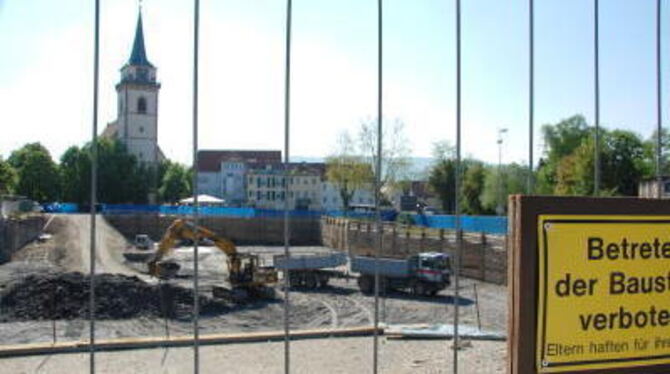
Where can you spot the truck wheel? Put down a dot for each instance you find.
(294, 280)
(365, 284)
(418, 289)
(323, 281)
(310, 281)
(432, 292)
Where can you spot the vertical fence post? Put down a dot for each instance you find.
(596, 68)
(196, 301)
(94, 186)
(287, 254)
(378, 171)
(531, 92)
(659, 105)
(457, 205)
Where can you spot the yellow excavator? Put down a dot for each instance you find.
(247, 278)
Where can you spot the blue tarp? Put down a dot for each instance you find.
(487, 224)
(61, 208)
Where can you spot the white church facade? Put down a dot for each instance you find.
(136, 124)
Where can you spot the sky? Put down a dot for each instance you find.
(46, 73)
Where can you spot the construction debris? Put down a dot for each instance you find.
(66, 296)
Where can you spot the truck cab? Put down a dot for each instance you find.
(433, 267)
(143, 241)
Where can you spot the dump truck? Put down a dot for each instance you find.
(311, 270)
(421, 274)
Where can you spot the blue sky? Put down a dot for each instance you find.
(46, 70)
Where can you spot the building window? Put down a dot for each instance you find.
(141, 129)
(258, 195)
(141, 105)
(666, 188)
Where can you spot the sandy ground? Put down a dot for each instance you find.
(340, 305)
(336, 355)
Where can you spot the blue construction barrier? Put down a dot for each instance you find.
(387, 215)
(487, 224)
(61, 208)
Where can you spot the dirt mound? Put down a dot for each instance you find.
(66, 296)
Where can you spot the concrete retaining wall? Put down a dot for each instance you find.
(242, 231)
(484, 256)
(17, 232)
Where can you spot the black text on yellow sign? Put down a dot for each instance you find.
(604, 292)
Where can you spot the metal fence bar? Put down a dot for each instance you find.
(531, 91)
(196, 299)
(378, 173)
(94, 186)
(596, 74)
(659, 105)
(457, 187)
(287, 254)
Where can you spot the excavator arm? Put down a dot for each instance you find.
(245, 274)
(182, 229)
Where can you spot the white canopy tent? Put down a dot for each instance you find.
(204, 200)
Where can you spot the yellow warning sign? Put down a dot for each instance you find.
(604, 292)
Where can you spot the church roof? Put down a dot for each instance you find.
(138, 56)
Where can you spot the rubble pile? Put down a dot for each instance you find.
(66, 296)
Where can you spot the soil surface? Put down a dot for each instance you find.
(39, 266)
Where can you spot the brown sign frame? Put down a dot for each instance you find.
(523, 271)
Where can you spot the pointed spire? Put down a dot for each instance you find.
(139, 55)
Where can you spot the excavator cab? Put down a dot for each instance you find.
(246, 275)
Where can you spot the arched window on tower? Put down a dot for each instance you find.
(141, 105)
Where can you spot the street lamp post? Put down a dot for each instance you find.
(501, 198)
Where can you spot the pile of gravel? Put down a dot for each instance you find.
(66, 296)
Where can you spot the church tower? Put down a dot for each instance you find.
(137, 119)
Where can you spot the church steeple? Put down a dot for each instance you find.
(137, 92)
(138, 56)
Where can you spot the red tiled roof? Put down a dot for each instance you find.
(210, 161)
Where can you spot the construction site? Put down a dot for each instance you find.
(44, 307)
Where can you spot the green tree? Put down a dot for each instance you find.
(38, 177)
(8, 178)
(346, 170)
(499, 184)
(622, 164)
(442, 180)
(650, 154)
(560, 141)
(176, 183)
(473, 188)
(75, 172)
(120, 178)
